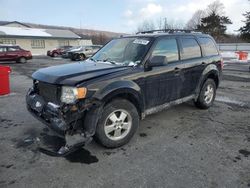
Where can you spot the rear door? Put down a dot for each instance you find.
(88, 51)
(191, 57)
(13, 52)
(164, 83)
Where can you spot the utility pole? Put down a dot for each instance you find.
(165, 23)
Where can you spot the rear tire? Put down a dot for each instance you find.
(118, 123)
(55, 54)
(22, 60)
(207, 95)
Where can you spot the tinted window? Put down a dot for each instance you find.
(191, 48)
(168, 48)
(209, 46)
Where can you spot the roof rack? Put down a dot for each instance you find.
(168, 31)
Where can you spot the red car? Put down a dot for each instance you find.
(58, 51)
(14, 53)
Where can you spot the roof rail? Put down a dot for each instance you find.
(168, 31)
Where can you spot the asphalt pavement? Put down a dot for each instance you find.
(179, 147)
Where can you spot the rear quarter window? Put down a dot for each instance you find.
(209, 46)
(191, 48)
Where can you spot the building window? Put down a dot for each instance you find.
(37, 43)
(63, 42)
(7, 41)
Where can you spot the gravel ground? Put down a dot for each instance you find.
(180, 147)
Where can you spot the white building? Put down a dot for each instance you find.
(37, 40)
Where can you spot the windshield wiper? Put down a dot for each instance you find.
(109, 61)
(103, 60)
(92, 59)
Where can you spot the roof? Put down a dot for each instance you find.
(6, 23)
(166, 34)
(35, 32)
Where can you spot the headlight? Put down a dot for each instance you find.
(71, 94)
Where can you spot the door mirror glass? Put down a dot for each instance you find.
(156, 61)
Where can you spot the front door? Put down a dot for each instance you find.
(164, 83)
(88, 51)
(3, 53)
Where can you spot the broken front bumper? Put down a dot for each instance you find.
(47, 113)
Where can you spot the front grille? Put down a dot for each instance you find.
(49, 92)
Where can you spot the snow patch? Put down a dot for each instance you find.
(18, 31)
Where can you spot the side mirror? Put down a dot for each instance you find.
(156, 61)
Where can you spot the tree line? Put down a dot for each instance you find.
(212, 21)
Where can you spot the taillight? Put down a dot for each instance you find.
(221, 64)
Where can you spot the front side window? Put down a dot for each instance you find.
(124, 51)
(2, 49)
(168, 48)
(37, 43)
(209, 46)
(191, 48)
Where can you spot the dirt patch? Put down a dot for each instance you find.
(244, 152)
(143, 135)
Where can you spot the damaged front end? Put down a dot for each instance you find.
(74, 122)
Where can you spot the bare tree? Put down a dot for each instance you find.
(146, 25)
(160, 23)
(216, 8)
(195, 20)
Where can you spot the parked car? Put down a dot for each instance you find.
(58, 51)
(86, 51)
(128, 79)
(68, 53)
(14, 53)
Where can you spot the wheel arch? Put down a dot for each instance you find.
(212, 72)
(122, 89)
(18, 58)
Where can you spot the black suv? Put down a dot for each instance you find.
(129, 78)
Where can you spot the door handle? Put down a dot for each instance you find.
(177, 70)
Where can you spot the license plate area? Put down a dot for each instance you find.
(36, 103)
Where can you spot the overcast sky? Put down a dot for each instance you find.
(113, 15)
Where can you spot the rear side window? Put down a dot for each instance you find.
(12, 49)
(191, 48)
(209, 46)
(167, 47)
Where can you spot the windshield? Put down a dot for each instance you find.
(124, 51)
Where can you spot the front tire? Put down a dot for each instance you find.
(82, 57)
(22, 60)
(207, 95)
(118, 123)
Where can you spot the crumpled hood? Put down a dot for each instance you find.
(74, 73)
